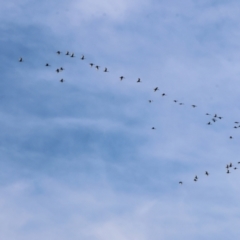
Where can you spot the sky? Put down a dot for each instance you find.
(79, 159)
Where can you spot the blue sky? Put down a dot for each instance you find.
(79, 159)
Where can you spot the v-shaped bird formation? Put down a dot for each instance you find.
(213, 117)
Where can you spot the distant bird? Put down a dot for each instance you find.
(230, 165)
(206, 173)
(238, 162)
(105, 70)
(139, 80)
(230, 137)
(214, 120)
(67, 53)
(62, 80)
(20, 60)
(164, 94)
(181, 104)
(227, 166)
(57, 70)
(58, 52)
(228, 171)
(208, 114)
(72, 55)
(209, 123)
(47, 65)
(121, 78)
(194, 106)
(236, 122)
(153, 128)
(82, 58)
(180, 182)
(97, 67)
(175, 100)
(235, 168)
(220, 117)
(155, 89)
(215, 115)
(235, 127)
(91, 64)
(150, 101)
(195, 179)
(61, 68)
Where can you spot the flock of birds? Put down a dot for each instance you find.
(213, 120)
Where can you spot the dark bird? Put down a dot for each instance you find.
(230, 165)
(139, 80)
(230, 137)
(47, 65)
(72, 55)
(105, 70)
(180, 103)
(97, 67)
(91, 64)
(195, 179)
(236, 122)
(62, 80)
(238, 162)
(215, 115)
(228, 171)
(175, 100)
(220, 117)
(164, 94)
(82, 57)
(153, 128)
(180, 182)
(58, 52)
(121, 78)
(208, 114)
(155, 89)
(235, 127)
(227, 166)
(214, 120)
(57, 70)
(67, 53)
(235, 168)
(206, 173)
(20, 60)
(194, 106)
(150, 101)
(61, 68)
(209, 123)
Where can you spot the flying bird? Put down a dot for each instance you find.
(194, 106)
(206, 173)
(155, 89)
(121, 78)
(164, 94)
(209, 123)
(175, 100)
(105, 70)
(67, 53)
(58, 52)
(97, 67)
(139, 80)
(180, 182)
(153, 128)
(72, 55)
(20, 59)
(62, 80)
(150, 101)
(47, 65)
(57, 70)
(61, 68)
(82, 57)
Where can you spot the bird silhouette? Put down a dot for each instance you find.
(153, 128)
(47, 65)
(139, 80)
(106, 70)
(20, 59)
(72, 55)
(163, 94)
(91, 64)
(67, 53)
(62, 80)
(155, 89)
(121, 78)
(97, 67)
(180, 182)
(150, 101)
(206, 173)
(193, 106)
(58, 52)
(175, 100)
(82, 58)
